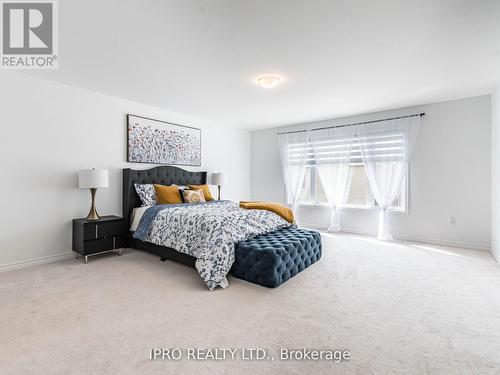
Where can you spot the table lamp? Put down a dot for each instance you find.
(93, 179)
(218, 179)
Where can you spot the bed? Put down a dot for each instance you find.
(164, 175)
(214, 236)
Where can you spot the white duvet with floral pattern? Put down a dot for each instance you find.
(208, 232)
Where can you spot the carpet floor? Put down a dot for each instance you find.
(398, 308)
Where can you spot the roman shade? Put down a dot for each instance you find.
(324, 148)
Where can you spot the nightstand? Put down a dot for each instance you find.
(92, 237)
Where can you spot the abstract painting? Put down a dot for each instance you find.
(158, 142)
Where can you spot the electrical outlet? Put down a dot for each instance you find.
(453, 220)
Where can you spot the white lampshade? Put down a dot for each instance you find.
(218, 179)
(93, 178)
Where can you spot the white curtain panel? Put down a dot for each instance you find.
(293, 152)
(332, 151)
(386, 148)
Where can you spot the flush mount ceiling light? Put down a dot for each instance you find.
(269, 81)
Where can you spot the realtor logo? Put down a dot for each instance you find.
(29, 35)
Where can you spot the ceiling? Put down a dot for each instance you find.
(201, 57)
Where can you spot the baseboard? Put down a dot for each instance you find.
(36, 261)
(69, 255)
(433, 241)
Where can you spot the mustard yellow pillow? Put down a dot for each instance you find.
(167, 194)
(205, 189)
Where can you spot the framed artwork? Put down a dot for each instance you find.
(158, 142)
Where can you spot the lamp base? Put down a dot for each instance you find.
(93, 215)
(93, 212)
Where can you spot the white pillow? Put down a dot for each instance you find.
(136, 217)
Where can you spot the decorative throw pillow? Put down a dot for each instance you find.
(193, 196)
(205, 189)
(180, 187)
(167, 194)
(147, 194)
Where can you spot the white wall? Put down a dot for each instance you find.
(495, 173)
(49, 131)
(449, 176)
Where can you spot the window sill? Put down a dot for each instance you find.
(351, 207)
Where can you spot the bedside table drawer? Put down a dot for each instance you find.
(94, 231)
(115, 228)
(104, 244)
(96, 246)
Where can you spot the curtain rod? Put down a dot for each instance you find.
(356, 123)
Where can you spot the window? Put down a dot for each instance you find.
(359, 193)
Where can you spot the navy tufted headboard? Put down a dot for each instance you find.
(164, 175)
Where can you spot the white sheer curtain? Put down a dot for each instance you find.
(332, 150)
(386, 148)
(293, 151)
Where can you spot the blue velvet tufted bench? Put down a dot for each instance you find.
(271, 259)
